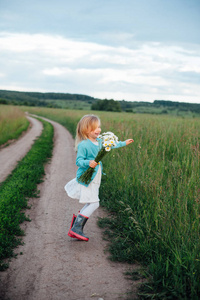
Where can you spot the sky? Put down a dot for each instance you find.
(142, 50)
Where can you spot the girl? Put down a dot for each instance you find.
(87, 145)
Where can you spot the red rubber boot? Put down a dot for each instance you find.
(77, 228)
(72, 223)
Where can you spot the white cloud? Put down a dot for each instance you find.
(54, 71)
(54, 63)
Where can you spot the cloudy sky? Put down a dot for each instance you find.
(137, 50)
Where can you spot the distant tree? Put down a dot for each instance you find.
(129, 110)
(3, 101)
(106, 105)
(164, 111)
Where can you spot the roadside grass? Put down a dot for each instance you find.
(18, 188)
(152, 193)
(12, 123)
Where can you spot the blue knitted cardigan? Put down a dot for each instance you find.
(87, 151)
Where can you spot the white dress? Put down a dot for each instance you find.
(85, 194)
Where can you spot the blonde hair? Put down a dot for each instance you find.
(86, 124)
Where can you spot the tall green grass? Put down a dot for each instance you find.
(156, 200)
(12, 123)
(18, 188)
(152, 191)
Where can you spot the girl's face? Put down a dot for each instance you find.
(93, 135)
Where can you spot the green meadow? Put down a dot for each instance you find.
(151, 190)
(12, 123)
(152, 193)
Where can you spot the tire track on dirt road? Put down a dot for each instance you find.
(10, 155)
(54, 266)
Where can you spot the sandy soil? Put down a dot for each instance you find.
(54, 266)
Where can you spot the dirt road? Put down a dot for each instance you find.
(54, 266)
(9, 156)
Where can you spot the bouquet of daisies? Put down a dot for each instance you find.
(109, 140)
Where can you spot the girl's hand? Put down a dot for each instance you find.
(129, 141)
(93, 163)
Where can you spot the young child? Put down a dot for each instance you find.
(87, 145)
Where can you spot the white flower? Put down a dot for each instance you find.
(112, 143)
(108, 149)
(106, 137)
(108, 140)
(105, 144)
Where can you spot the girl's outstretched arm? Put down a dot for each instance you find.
(129, 141)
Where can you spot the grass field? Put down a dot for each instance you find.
(12, 123)
(152, 192)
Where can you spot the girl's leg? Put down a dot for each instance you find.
(77, 229)
(89, 208)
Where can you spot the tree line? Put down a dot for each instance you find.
(43, 99)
